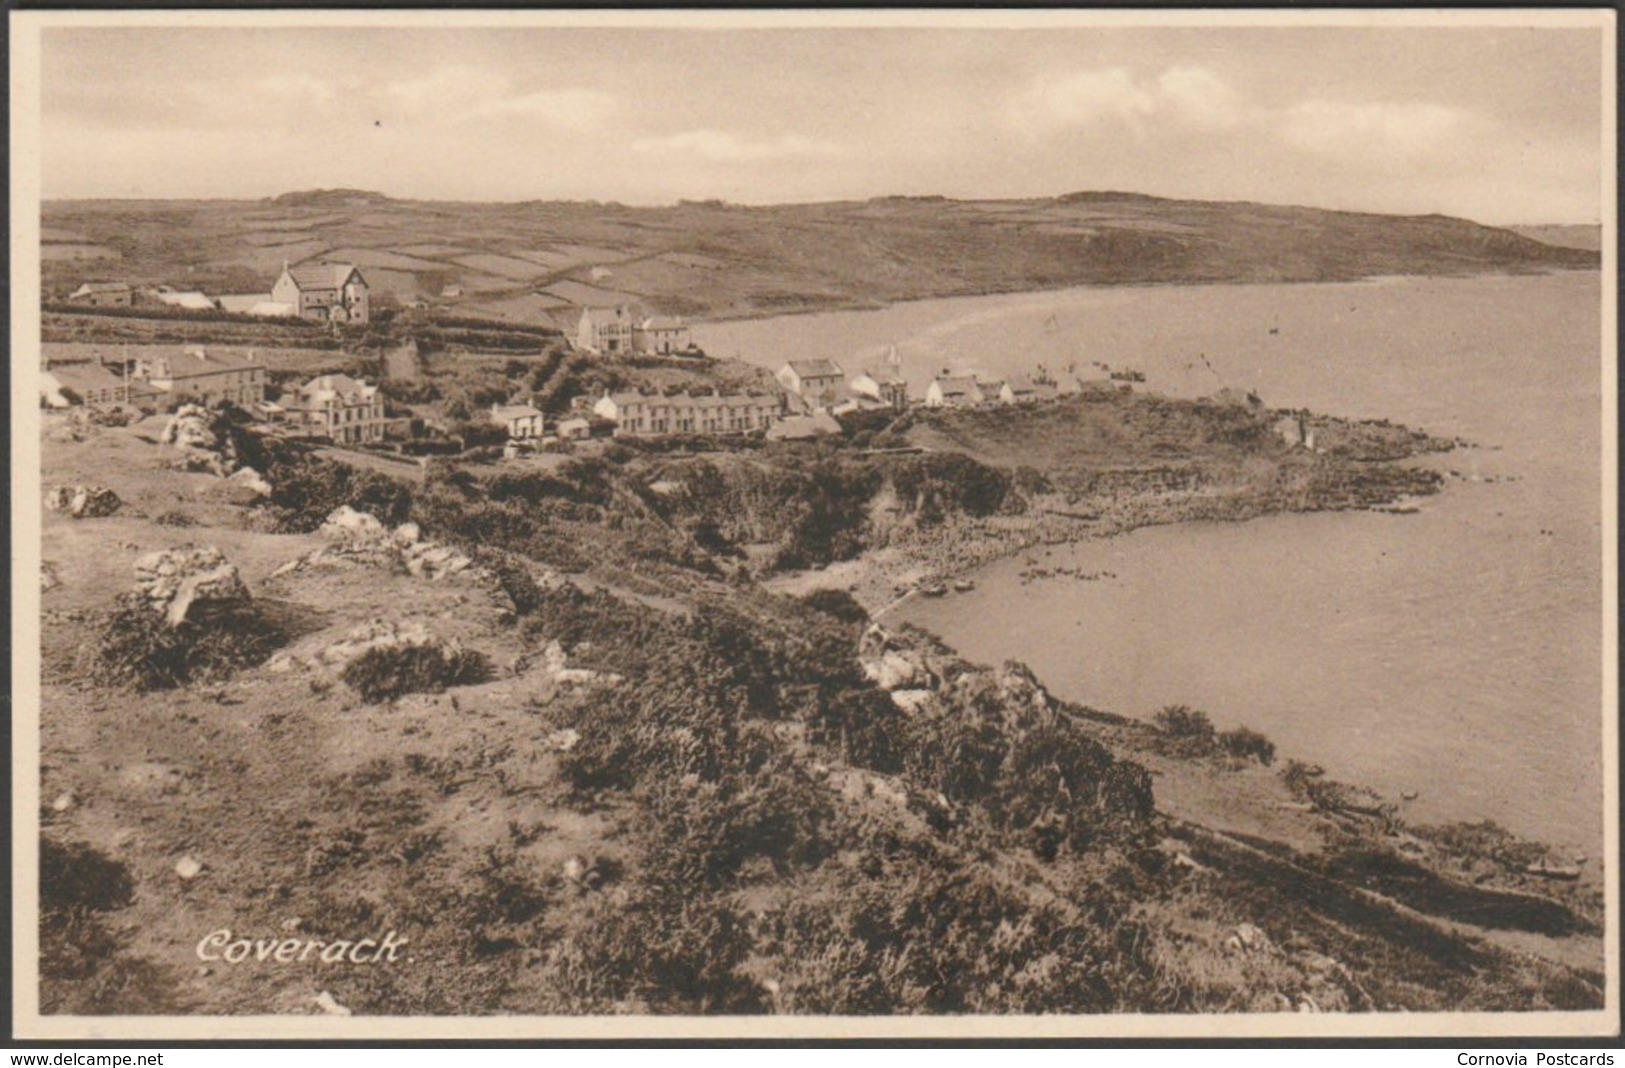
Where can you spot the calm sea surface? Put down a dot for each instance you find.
(1456, 652)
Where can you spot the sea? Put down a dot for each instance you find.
(1455, 653)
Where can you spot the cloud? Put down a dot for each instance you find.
(1404, 130)
(719, 146)
(463, 93)
(1201, 97)
(573, 108)
(1181, 100)
(1087, 97)
(1081, 99)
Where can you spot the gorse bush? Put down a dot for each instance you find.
(1181, 721)
(136, 648)
(1248, 744)
(386, 672)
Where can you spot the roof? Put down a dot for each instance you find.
(505, 412)
(321, 275)
(197, 360)
(82, 376)
(816, 368)
(102, 287)
(331, 387)
(1022, 384)
(575, 420)
(663, 322)
(887, 376)
(189, 299)
(957, 385)
(605, 311)
(241, 302)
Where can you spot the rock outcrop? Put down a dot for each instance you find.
(360, 538)
(891, 665)
(82, 502)
(191, 430)
(383, 634)
(180, 583)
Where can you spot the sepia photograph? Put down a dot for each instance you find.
(772, 524)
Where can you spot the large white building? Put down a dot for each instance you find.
(197, 376)
(332, 291)
(339, 408)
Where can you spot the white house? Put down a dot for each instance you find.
(661, 335)
(885, 385)
(1024, 390)
(520, 420)
(954, 391)
(337, 407)
(606, 330)
(575, 428)
(332, 291)
(104, 294)
(817, 382)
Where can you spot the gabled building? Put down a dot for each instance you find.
(954, 391)
(520, 420)
(197, 376)
(335, 292)
(1024, 390)
(104, 294)
(662, 335)
(816, 382)
(95, 385)
(606, 330)
(885, 385)
(337, 407)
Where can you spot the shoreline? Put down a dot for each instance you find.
(857, 305)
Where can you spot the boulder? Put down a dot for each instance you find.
(911, 701)
(348, 527)
(253, 480)
(177, 581)
(895, 670)
(83, 502)
(190, 428)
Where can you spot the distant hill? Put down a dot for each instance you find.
(319, 198)
(1564, 235)
(710, 259)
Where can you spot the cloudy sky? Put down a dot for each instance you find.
(1497, 124)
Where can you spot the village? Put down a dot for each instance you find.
(342, 409)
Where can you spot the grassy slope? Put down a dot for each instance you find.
(754, 857)
(717, 260)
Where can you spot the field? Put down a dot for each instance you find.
(718, 260)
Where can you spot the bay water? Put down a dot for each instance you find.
(1455, 653)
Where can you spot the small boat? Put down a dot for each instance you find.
(964, 585)
(937, 590)
(1410, 795)
(1547, 870)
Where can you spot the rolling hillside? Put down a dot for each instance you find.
(716, 260)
